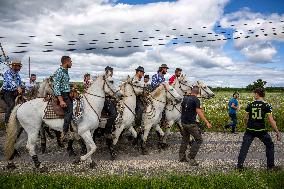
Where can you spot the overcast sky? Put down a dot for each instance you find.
(178, 25)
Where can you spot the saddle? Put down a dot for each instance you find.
(53, 109)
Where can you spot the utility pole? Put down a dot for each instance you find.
(29, 67)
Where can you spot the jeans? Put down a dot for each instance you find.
(9, 98)
(247, 140)
(139, 111)
(110, 108)
(193, 130)
(234, 122)
(68, 111)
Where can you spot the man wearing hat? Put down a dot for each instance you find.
(139, 102)
(176, 75)
(12, 86)
(159, 78)
(61, 88)
(110, 109)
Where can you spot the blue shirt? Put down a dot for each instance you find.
(61, 81)
(12, 80)
(232, 110)
(157, 79)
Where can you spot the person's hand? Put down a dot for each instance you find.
(208, 125)
(20, 90)
(62, 104)
(278, 136)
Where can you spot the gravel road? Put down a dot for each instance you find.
(217, 154)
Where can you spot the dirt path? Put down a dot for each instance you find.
(218, 153)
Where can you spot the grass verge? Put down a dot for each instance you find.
(248, 179)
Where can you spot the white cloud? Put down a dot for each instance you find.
(206, 61)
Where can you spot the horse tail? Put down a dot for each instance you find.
(13, 129)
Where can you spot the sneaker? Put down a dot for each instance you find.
(193, 162)
(240, 168)
(274, 168)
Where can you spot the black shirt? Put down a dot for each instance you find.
(257, 111)
(188, 112)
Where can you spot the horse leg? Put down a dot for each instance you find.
(144, 136)
(161, 134)
(83, 146)
(70, 148)
(42, 139)
(32, 138)
(133, 131)
(87, 136)
(58, 138)
(117, 133)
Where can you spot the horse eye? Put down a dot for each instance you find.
(111, 82)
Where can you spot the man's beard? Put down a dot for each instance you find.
(164, 72)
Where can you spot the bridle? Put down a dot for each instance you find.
(132, 86)
(105, 83)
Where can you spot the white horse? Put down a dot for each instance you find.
(157, 102)
(125, 119)
(30, 116)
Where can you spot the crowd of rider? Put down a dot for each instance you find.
(256, 110)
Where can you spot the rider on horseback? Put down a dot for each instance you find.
(110, 109)
(176, 75)
(159, 78)
(12, 87)
(62, 92)
(139, 101)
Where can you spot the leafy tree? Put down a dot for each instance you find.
(256, 84)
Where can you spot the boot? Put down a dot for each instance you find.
(111, 148)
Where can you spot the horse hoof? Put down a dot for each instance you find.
(77, 161)
(72, 153)
(11, 166)
(145, 152)
(93, 165)
(83, 151)
(113, 156)
(164, 146)
(43, 169)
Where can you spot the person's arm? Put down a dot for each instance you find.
(246, 118)
(273, 124)
(202, 116)
(234, 105)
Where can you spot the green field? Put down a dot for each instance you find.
(247, 179)
(216, 109)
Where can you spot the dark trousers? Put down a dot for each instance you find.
(9, 98)
(110, 109)
(247, 140)
(68, 111)
(234, 122)
(193, 130)
(139, 111)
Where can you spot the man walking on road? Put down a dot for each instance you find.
(190, 108)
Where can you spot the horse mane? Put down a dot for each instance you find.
(157, 91)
